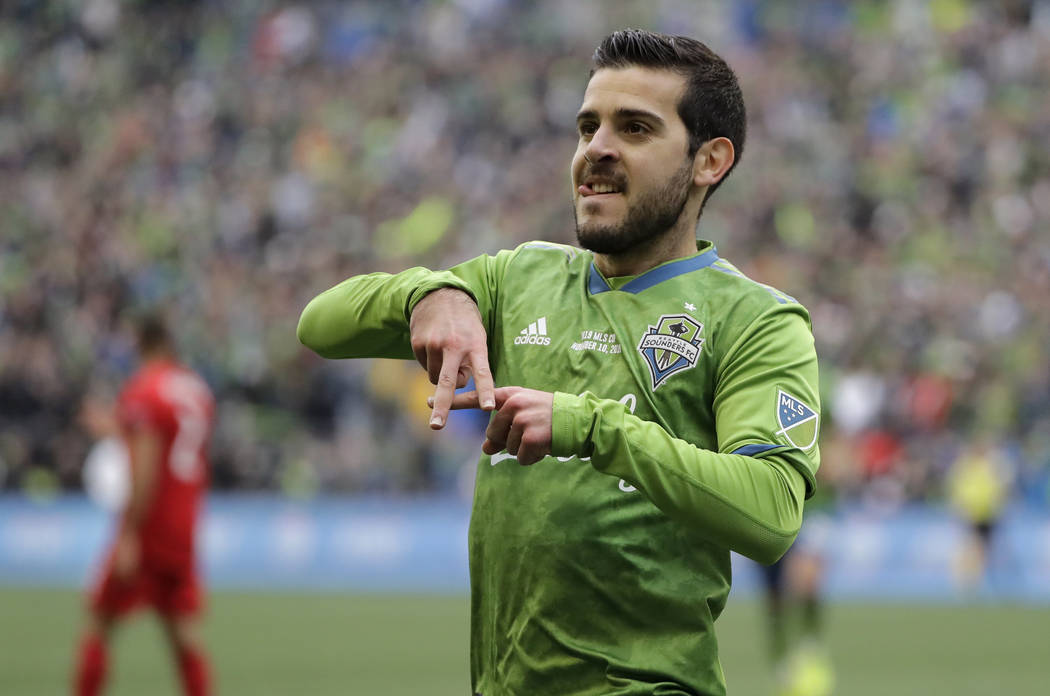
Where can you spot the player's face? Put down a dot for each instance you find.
(631, 173)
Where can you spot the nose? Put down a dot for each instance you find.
(602, 146)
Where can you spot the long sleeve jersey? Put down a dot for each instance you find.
(685, 425)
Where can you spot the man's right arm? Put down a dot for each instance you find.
(367, 316)
(374, 316)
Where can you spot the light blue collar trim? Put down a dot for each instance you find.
(597, 284)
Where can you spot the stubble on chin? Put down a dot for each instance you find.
(644, 222)
(606, 239)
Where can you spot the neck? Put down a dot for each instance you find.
(678, 242)
(157, 354)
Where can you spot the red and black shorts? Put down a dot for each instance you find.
(170, 589)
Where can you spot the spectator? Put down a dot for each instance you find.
(214, 155)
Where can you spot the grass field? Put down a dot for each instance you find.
(279, 644)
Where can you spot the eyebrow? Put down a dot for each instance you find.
(622, 113)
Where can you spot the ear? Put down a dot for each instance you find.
(712, 161)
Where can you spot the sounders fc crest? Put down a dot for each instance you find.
(671, 346)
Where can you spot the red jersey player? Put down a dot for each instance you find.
(165, 413)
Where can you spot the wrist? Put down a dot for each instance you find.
(444, 292)
(442, 284)
(565, 424)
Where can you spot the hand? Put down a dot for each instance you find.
(449, 341)
(522, 424)
(126, 556)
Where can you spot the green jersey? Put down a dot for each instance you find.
(684, 426)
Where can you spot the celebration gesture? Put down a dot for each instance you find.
(522, 424)
(449, 341)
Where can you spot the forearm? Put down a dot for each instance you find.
(752, 506)
(135, 511)
(367, 316)
(144, 452)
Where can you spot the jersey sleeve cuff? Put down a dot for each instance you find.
(569, 425)
(436, 281)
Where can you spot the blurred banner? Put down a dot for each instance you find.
(259, 542)
(419, 545)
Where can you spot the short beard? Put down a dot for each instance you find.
(648, 220)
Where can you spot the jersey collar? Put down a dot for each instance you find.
(598, 284)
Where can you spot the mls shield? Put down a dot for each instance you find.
(671, 346)
(798, 422)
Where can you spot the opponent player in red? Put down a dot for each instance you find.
(165, 413)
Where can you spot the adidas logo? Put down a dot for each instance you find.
(535, 334)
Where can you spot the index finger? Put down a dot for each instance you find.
(460, 401)
(446, 388)
(479, 367)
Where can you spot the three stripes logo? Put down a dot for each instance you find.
(535, 334)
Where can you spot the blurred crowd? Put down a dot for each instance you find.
(229, 159)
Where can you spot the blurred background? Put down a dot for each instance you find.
(229, 160)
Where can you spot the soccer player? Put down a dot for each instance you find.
(653, 408)
(794, 585)
(165, 413)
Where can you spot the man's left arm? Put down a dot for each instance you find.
(144, 450)
(748, 495)
(752, 506)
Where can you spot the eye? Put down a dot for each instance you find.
(636, 128)
(587, 128)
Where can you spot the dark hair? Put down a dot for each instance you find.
(712, 105)
(152, 333)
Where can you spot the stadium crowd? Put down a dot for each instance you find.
(229, 162)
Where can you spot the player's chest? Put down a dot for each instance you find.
(651, 351)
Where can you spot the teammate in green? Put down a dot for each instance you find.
(654, 409)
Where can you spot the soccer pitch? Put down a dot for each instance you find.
(323, 644)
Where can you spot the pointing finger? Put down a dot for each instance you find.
(471, 399)
(460, 401)
(446, 388)
(479, 364)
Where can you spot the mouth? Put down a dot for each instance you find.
(593, 186)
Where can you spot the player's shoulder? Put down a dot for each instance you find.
(158, 381)
(736, 281)
(153, 375)
(741, 295)
(546, 253)
(140, 400)
(537, 263)
(140, 382)
(181, 383)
